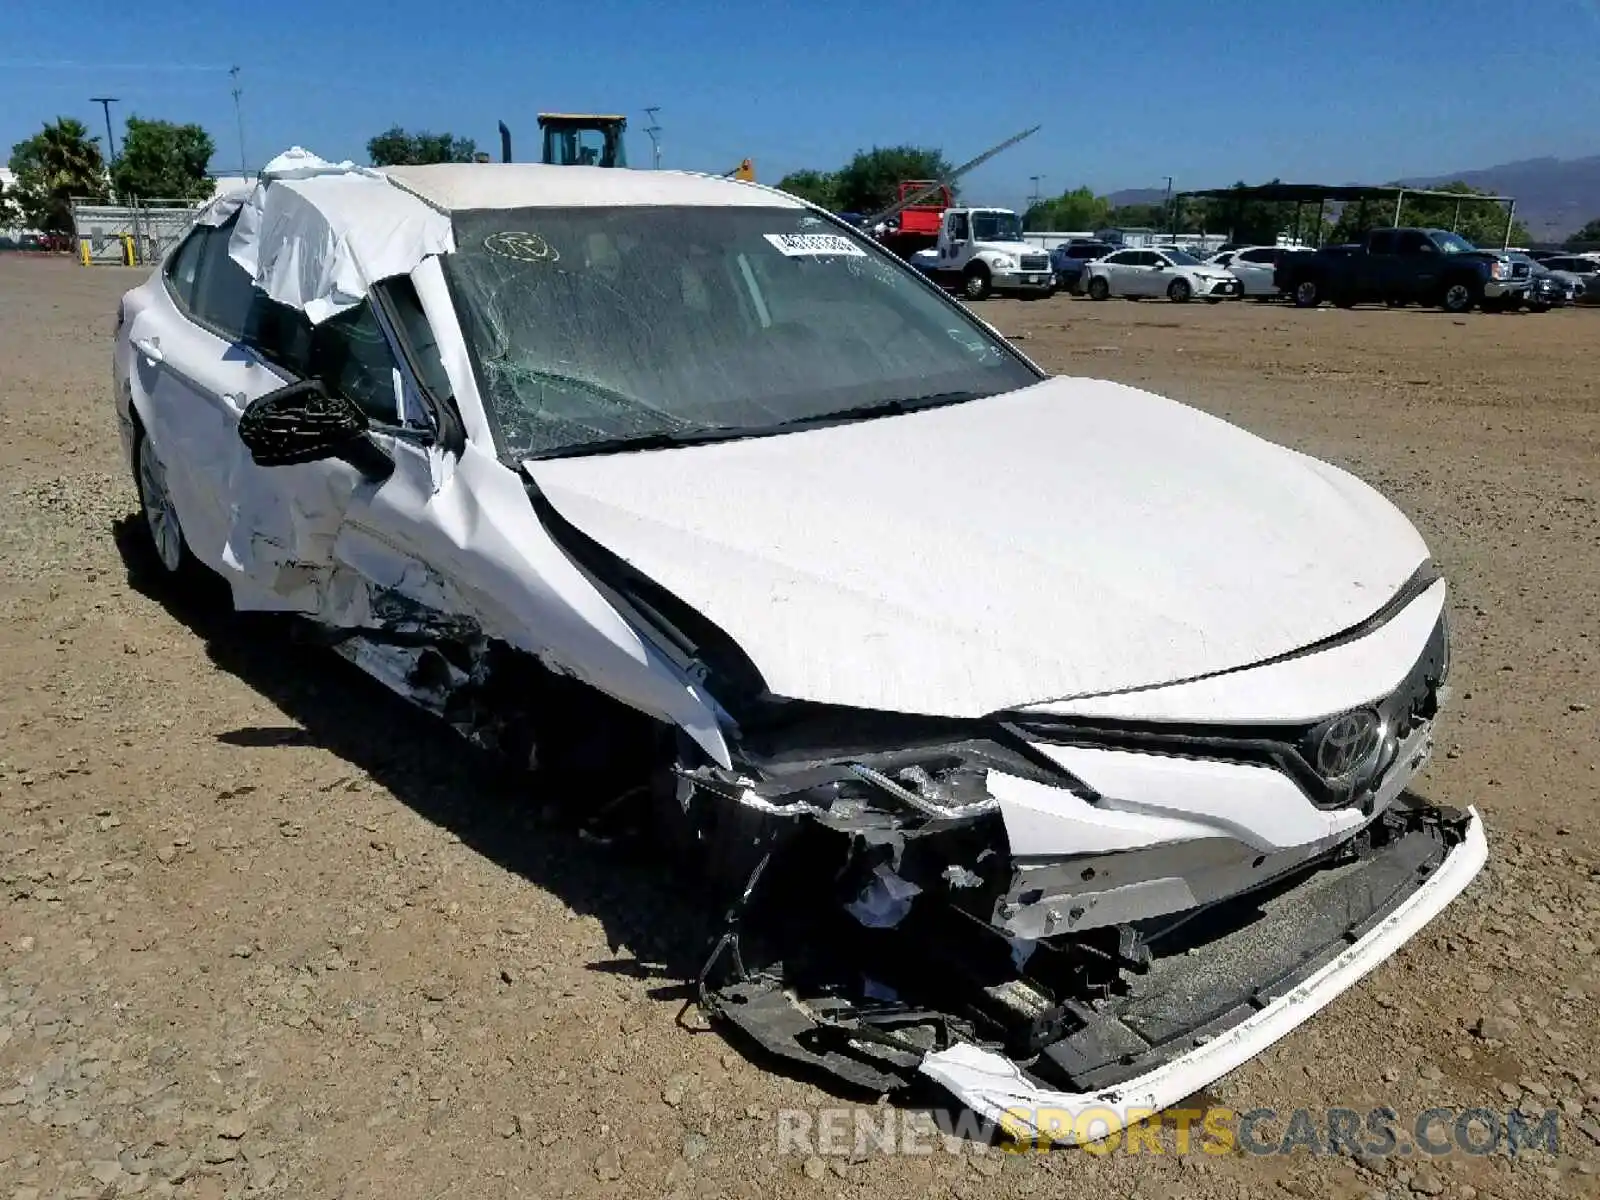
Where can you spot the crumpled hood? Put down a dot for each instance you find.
(1071, 538)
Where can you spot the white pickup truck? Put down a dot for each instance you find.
(980, 252)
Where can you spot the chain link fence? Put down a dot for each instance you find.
(135, 234)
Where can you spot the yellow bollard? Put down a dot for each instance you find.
(127, 250)
(83, 251)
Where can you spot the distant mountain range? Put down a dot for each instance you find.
(1555, 196)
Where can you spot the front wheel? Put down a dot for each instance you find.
(1458, 298)
(976, 285)
(1180, 291)
(1099, 289)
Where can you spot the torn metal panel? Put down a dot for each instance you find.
(1042, 1032)
(476, 548)
(1125, 1076)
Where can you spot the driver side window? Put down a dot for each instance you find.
(350, 354)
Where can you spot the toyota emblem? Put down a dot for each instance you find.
(1346, 742)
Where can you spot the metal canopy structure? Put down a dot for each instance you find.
(1301, 194)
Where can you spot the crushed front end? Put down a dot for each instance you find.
(1046, 914)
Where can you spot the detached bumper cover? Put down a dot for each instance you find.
(1026, 1107)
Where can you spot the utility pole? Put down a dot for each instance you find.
(105, 102)
(1172, 217)
(238, 114)
(1033, 200)
(652, 130)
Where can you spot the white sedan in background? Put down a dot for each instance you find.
(1252, 266)
(1170, 273)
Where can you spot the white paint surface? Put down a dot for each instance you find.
(1071, 538)
(1296, 691)
(466, 186)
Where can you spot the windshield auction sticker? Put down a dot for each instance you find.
(798, 245)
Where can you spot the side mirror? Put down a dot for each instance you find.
(303, 423)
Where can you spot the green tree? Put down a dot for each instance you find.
(58, 164)
(1137, 216)
(1257, 222)
(397, 147)
(819, 187)
(161, 160)
(1078, 208)
(870, 182)
(1481, 223)
(1588, 235)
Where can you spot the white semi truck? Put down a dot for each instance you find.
(980, 252)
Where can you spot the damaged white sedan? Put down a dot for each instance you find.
(1050, 738)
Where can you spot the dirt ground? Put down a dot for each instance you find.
(266, 932)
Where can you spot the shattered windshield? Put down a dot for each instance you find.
(996, 227)
(590, 327)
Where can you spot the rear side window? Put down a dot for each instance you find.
(184, 266)
(1381, 243)
(1258, 256)
(224, 291)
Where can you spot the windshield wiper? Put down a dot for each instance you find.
(881, 408)
(655, 440)
(666, 439)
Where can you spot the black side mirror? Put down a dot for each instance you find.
(303, 423)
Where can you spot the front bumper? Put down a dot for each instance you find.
(1495, 289)
(1027, 1108)
(1023, 281)
(1227, 288)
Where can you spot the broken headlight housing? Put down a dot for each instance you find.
(943, 782)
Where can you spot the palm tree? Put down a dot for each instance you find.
(57, 165)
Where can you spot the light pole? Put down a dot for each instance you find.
(1033, 201)
(1172, 217)
(238, 114)
(105, 103)
(652, 130)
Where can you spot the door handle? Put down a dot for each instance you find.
(149, 347)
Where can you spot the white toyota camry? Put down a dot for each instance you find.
(1150, 274)
(1052, 738)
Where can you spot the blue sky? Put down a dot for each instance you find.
(1352, 90)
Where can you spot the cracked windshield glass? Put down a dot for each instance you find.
(597, 328)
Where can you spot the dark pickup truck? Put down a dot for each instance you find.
(1405, 266)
